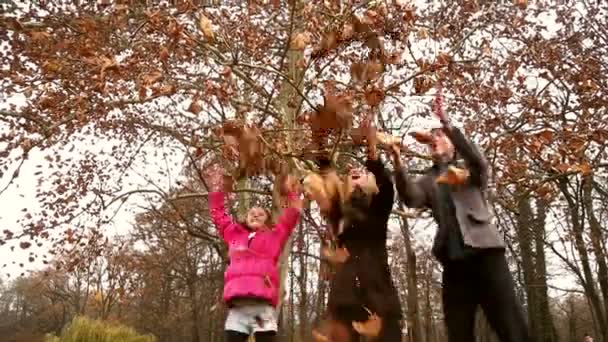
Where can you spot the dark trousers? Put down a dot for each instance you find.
(265, 336)
(482, 280)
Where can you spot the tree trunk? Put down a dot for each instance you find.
(588, 281)
(549, 333)
(597, 237)
(413, 318)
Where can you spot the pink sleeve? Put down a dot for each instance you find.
(219, 215)
(288, 221)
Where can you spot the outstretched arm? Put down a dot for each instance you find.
(383, 200)
(289, 218)
(413, 193)
(222, 220)
(476, 162)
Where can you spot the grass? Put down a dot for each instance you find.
(86, 330)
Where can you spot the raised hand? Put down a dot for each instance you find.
(396, 154)
(214, 177)
(292, 184)
(438, 107)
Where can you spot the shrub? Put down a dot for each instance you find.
(86, 330)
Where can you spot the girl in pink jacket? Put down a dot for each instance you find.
(251, 281)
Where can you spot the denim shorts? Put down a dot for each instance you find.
(249, 319)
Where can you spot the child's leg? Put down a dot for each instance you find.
(237, 325)
(265, 336)
(235, 336)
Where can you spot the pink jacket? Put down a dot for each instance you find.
(254, 258)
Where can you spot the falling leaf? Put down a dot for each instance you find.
(328, 43)
(369, 328)
(300, 40)
(337, 255)
(195, 106)
(347, 32)
(374, 97)
(38, 36)
(336, 112)
(423, 33)
(522, 4)
(422, 84)
(387, 139)
(453, 176)
(584, 168)
(423, 137)
(319, 337)
(24, 245)
(206, 26)
(363, 72)
(164, 54)
(152, 78)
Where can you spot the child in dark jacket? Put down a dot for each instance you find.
(251, 282)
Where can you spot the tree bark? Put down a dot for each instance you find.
(588, 281)
(413, 314)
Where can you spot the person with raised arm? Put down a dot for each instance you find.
(363, 300)
(252, 279)
(467, 242)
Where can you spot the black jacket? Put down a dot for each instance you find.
(364, 280)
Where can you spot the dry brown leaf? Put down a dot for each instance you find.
(38, 36)
(422, 84)
(584, 168)
(335, 256)
(152, 78)
(300, 41)
(206, 26)
(195, 106)
(423, 33)
(347, 32)
(423, 137)
(164, 54)
(374, 96)
(336, 112)
(369, 328)
(319, 337)
(453, 176)
(387, 139)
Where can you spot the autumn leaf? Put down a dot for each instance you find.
(422, 84)
(374, 96)
(453, 176)
(584, 168)
(151, 78)
(164, 54)
(300, 40)
(328, 43)
(522, 4)
(38, 36)
(363, 72)
(335, 256)
(369, 328)
(336, 112)
(423, 137)
(24, 245)
(195, 106)
(206, 26)
(386, 139)
(319, 337)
